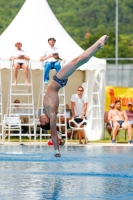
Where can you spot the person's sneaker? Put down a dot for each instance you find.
(45, 82)
(113, 141)
(130, 141)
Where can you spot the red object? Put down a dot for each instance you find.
(50, 142)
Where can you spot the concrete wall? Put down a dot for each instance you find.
(74, 81)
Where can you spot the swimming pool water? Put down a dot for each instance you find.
(90, 172)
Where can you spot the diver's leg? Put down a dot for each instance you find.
(68, 69)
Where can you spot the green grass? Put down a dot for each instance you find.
(120, 138)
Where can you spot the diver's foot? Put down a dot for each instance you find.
(57, 155)
(102, 41)
(27, 83)
(15, 83)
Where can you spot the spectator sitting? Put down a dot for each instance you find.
(20, 59)
(120, 120)
(129, 112)
(79, 103)
(18, 110)
(52, 57)
(108, 126)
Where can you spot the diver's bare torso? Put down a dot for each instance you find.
(51, 99)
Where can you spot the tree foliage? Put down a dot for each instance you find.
(98, 17)
(8, 10)
(93, 15)
(125, 48)
(80, 16)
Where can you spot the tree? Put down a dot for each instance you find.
(125, 48)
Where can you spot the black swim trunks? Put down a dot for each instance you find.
(46, 126)
(20, 64)
(79, 120)
(59, 81)
(120, 122)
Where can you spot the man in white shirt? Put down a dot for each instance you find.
(20, 59)
(79, 103)
(52, 58)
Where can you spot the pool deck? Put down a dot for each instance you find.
(68, 144)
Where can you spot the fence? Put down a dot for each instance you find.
(122, 76)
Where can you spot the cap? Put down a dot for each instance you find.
(130, 103)
(51, 37)
(18, 41)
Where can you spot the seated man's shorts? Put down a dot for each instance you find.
(120, 122)
(20, 64)
(59, 81)
(79, 120)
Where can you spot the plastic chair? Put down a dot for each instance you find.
(11, 123)
(77, 126)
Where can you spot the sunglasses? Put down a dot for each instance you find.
(51, 39)
(80, 90)
(129, 105)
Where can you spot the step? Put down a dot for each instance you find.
(96, 118)
(24, 114)
(95, 92)
(62, 114)
(95, 105)
(21, 84)
(21, 94)
(22, 104)
(62, 104)
(60, 124)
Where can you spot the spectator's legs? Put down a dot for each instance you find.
(85, 138)
(115, 129)
(80, 136)
(57, 66)
(25, 68)
(16, 68)
(127, 126)
(109, 129)
(47, 68)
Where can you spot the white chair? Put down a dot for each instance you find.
(76, 126)
(11, 123)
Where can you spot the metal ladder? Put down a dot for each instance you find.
(61, 111)
(95, 104)
(1, 108)
(25, 109)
